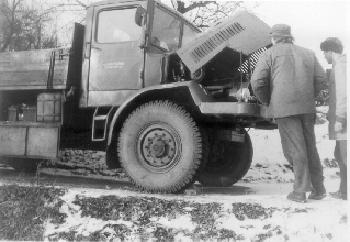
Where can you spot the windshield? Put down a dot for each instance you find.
(166, 30)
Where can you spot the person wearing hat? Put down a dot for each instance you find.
(288, 77)
(337, 114)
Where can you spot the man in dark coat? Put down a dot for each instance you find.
(288, 77)
(337, 113)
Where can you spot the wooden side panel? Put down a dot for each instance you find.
(30, 69)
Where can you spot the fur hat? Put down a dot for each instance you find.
(332, 44)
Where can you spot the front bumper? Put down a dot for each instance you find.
(236, 108)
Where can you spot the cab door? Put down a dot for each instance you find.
(116, 59)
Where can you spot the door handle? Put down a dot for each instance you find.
(87, 50)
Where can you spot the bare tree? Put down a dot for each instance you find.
(11, 23)
(205, 13)
(23, 26)
(180, 5)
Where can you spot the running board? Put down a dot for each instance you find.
(100, 121)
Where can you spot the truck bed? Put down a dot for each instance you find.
(30, 69)
(57, 68)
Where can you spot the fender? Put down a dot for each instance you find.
(197, 94)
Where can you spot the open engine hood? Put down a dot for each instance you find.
(244, 32)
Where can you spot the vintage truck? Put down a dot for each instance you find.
(167, 103)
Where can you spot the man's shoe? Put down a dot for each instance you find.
(297, 197)
(317, 195)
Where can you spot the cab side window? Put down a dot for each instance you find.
(117, 25)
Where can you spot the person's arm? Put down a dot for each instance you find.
(340, 86)
(260, 80)
(320, 80)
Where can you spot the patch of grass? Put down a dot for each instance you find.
(264, 236)
(23, 211)
(251, 211)
(129, 208)
(142, 211)
(109, 232)
(162, 234)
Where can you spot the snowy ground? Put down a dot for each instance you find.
(269, 164)
(243, 218)
(262, 215)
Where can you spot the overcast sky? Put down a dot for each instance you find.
(311, 21)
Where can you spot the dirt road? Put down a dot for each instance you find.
(47, 177)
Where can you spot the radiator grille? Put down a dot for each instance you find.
(215, 41)
(250, 63)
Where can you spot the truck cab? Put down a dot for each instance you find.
(127, 44)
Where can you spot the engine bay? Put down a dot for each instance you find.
(225, 77)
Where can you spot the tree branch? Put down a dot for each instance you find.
(181, 5)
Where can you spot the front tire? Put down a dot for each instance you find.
(160, 147)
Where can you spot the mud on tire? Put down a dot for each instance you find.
(160, 147)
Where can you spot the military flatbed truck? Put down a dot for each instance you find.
(167, 103)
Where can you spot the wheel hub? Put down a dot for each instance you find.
(158, 146)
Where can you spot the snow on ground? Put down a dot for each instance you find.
(268, 149)
(269, 163)
(324, 220)
(261, 217)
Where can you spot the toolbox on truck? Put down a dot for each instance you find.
(29, 139)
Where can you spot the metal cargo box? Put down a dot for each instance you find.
(29, 139)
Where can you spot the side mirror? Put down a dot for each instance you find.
(140, 16)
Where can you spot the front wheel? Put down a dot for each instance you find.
(160, 147)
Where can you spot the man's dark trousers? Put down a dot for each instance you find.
(299, 148)
(340, 156)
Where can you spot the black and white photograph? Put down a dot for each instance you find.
(174, 120)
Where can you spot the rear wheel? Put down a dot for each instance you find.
(227, 162)
(160, 147)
